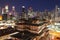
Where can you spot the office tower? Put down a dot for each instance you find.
(38, 15)
(5, 12)
(6, 8)
(56, 11)
(57, 14)
(46, 14)
(10, 16)
(13, 13)
(23, 15)
(30, 12)
(23, 9)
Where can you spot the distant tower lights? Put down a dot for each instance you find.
(6, 8)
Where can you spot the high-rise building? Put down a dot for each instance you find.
(13, 14)
(57, 14)
(3, 10)
(13, 11)
(46, 14)
(30, 12)
(5, 13)
(10, 16)
(23, 15)
(38, 15)
(6, 8)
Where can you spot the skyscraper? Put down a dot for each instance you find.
(13, 14)
(5, 12)
(23, 15)
(46, 14)
(57, 14)
(56, 11)
(10, 16)
(13, 11)
(30, 12)
(6, 8)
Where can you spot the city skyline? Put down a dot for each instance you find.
(40, 5)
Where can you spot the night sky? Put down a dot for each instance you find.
(35, 4)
